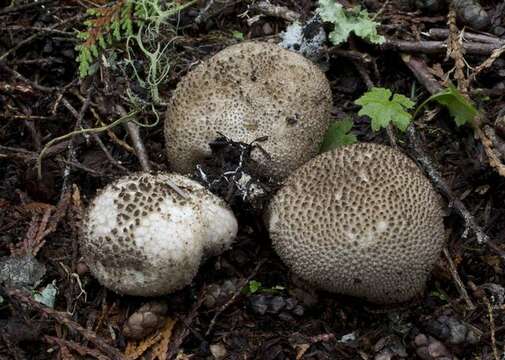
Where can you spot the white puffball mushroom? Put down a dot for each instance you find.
(146, 235)
(360, 220)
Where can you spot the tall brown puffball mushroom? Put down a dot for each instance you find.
(246, 92)
(146, 235)
(360, 220)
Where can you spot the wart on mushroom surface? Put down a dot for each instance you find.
(249, 91)
(141, 237)
(360, 220)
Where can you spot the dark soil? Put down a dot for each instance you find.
(223, 312)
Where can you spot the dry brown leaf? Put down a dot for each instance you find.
(301, 349)
(161, 339)
(161, 350)
(37, 207)
(134, 349)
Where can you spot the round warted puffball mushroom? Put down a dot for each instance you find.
(360, 220)
(247, 92)
(146, 234)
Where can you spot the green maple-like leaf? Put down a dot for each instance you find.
(348, 21)
(460, 108)
(338, 134)
(383, 108)
(254, 286)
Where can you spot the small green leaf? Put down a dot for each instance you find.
(253, 286)
(460, 108)
(384, 109)
(439, 295)
(238, 35)
(338, 134)
(347, 21)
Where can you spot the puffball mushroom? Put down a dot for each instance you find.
(360, 220)
(249, 91)
(146, 234)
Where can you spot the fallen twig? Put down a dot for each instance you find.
(479, 292)
(138, 144)
(182, 331)
(436, 178)
(489, 61)
(351, 54)
(457, 280)
(214, 8)
(419, 68)
(420, 71)
(456, 52)
(63, 318)
(498, 142)
(443, 34)
(492, 156)
(49, 145)
(97, 139)
(435, 47)
(71, 147)
(268, 9)
(18, 76)
(82, 350)
(237, 292)
(37, 34)
(24, 7)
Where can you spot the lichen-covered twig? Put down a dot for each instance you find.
(268, 9)
(436, 178)
(492, 155)
(498, 142)
(489, 61)
(456, 52)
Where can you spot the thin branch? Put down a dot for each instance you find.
(436, 178)
(138, 144)
(457, 280)
(18, 76)
(64, 319)
(24, 7)
(436, 47)
(443, 34)
(231, 300)
(268, 9)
